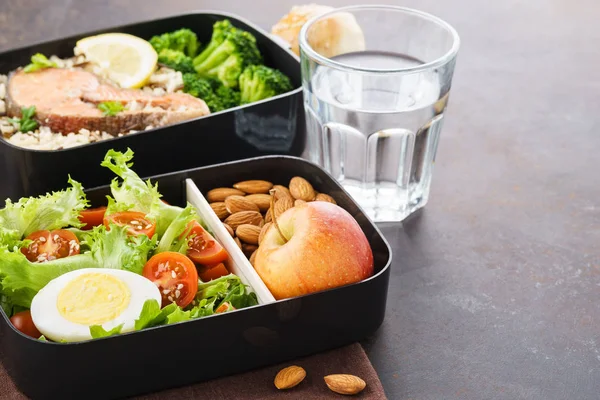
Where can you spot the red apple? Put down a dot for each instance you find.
(324, 248)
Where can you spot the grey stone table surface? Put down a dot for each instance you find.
(498, 296)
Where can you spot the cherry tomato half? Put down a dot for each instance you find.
(175, 275)
(213, 272)
(50, 245)
(24, 323)
(92, 217)
(203, 248)
(136, 222)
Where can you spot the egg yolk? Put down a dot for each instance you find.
(93, 299)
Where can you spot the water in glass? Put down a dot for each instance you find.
(376, 133)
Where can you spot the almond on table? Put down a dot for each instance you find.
(289, 377)
(345, 384)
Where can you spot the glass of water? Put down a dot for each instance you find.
(376, 82)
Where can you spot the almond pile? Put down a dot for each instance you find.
(245, 207)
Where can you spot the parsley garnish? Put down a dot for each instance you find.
(111, 108)
(39, 61)
(26, 123)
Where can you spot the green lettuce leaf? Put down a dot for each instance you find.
(170, 241)
(97, 331)
(42, 338)
(113, 207)
(178, 316)
(116, 250)
(152, 315)
(52, 211)
(20, 279)
(227, 288)
(134, 192)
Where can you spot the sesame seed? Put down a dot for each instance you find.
(177, 294)
(134, 222)
(148, 226)
(173, 274)
(170, 298)
(42, 239)
(166, 291)
(180, 286)
(56, 238)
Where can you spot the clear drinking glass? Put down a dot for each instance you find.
(376, 82)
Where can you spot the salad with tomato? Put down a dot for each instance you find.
(70, 272)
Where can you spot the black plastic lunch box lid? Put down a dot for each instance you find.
(215, 346)
(272, 126)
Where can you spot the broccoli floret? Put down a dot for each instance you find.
(259, 82)
(228, 53)
(176, 60)
(216, 96)
(183, 40)
(228, 97)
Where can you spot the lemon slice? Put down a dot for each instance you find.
(125, 59)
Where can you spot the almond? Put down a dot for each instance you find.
(248, 249)
(299, 202)
(289, 377)
(235, 204)
(253, 257)
(237, 241)
(268, 216)
(263, 231)
(325, 197)
(254, 186)
(301, 189)
(248, 233)
(282, 205)
(243, 217)
(345, 384)
(220, 209)
(263, 201)
(280, 191)
(220, 194)
(229, 229)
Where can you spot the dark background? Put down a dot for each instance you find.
(499, 296)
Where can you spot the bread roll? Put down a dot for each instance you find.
(331, 36)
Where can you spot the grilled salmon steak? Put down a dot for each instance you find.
(66, 100)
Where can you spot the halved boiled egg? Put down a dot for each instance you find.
(68, 305)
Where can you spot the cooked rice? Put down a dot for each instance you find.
(162, 81)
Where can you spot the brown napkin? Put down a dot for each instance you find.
(258, 384)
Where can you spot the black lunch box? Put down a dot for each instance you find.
(203, 349)
(272, 126)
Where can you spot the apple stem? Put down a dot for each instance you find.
(272, 211)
